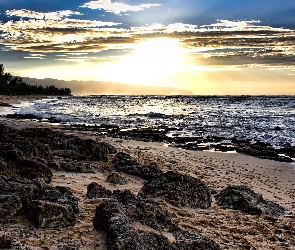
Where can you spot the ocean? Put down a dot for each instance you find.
(268, 119)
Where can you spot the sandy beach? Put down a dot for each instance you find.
(17, 99)
(231, 229)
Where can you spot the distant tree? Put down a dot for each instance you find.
(10, 85)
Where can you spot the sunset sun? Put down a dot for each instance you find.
(151, 61)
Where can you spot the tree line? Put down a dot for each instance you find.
(11, 85)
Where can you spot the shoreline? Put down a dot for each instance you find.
(231, 229)
(18, 98)
(163, 132)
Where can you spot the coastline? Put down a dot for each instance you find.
(231, 229)
(18, 98)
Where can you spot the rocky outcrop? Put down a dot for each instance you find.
(45, 214)
(10, 204)
(122, 216)
(191, 240)
(121, 234)
(25, 189)
(44, 205)
(29, 153)
(75, 166)
(116, 179)
(145, 211)
(179, 190)
(125, 163)
(94, 190)
(5, 242)
(246, 200)
(70, 146)
(264, 151)
(25, 158)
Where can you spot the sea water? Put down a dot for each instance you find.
(258, 118)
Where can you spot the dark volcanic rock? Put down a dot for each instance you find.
(3, 104)
(27, 190)
(123, 159)
(94, 190)
(32, 168)
(44, 205)
(124, 196)
(121, 234)
(58, 194)
(117, 218)
(264, 151)
(45, 214)
(179, 190)
(27, 147)
(10, 204)
(73, 147)
(6, 132)
(116, 179)
(146, 211)
(25, 158)
(191, 240)
(55, 208)
(75, 167)
(125, 163)
(246, 200)
(3, 166)
(5, 242)
(23, 116)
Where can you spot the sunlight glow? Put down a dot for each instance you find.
(151, 62)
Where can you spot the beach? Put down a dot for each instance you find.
(230, 229)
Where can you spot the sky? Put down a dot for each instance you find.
(208, 47)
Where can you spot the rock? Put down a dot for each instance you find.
(27, 147)
(124, 159)
(45, 214)
(73, 147)
(55, 208)
(5, 242)
(125, 163)
(76, 167)
(10, 204)
(58, 194)
(117, 218)
(246, 200)
(191, 240)
(121, 234)
(34, 198)
(23, 116)
(277, 128)
(3, 166)
(179, 190)
(116, 179)
(31, 168)
(264, 151)
(25, 158)
(6, 132)
(3, 104)
(145, 211)
(124, 196)
(25, 189)
(94, 190)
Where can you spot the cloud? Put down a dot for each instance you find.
(35, 56)
(116, 7)
(238, 43)
(57, 15)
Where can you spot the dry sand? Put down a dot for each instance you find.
(275, 181)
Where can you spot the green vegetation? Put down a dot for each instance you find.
(10, 85)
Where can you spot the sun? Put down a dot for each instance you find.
(152, 61)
